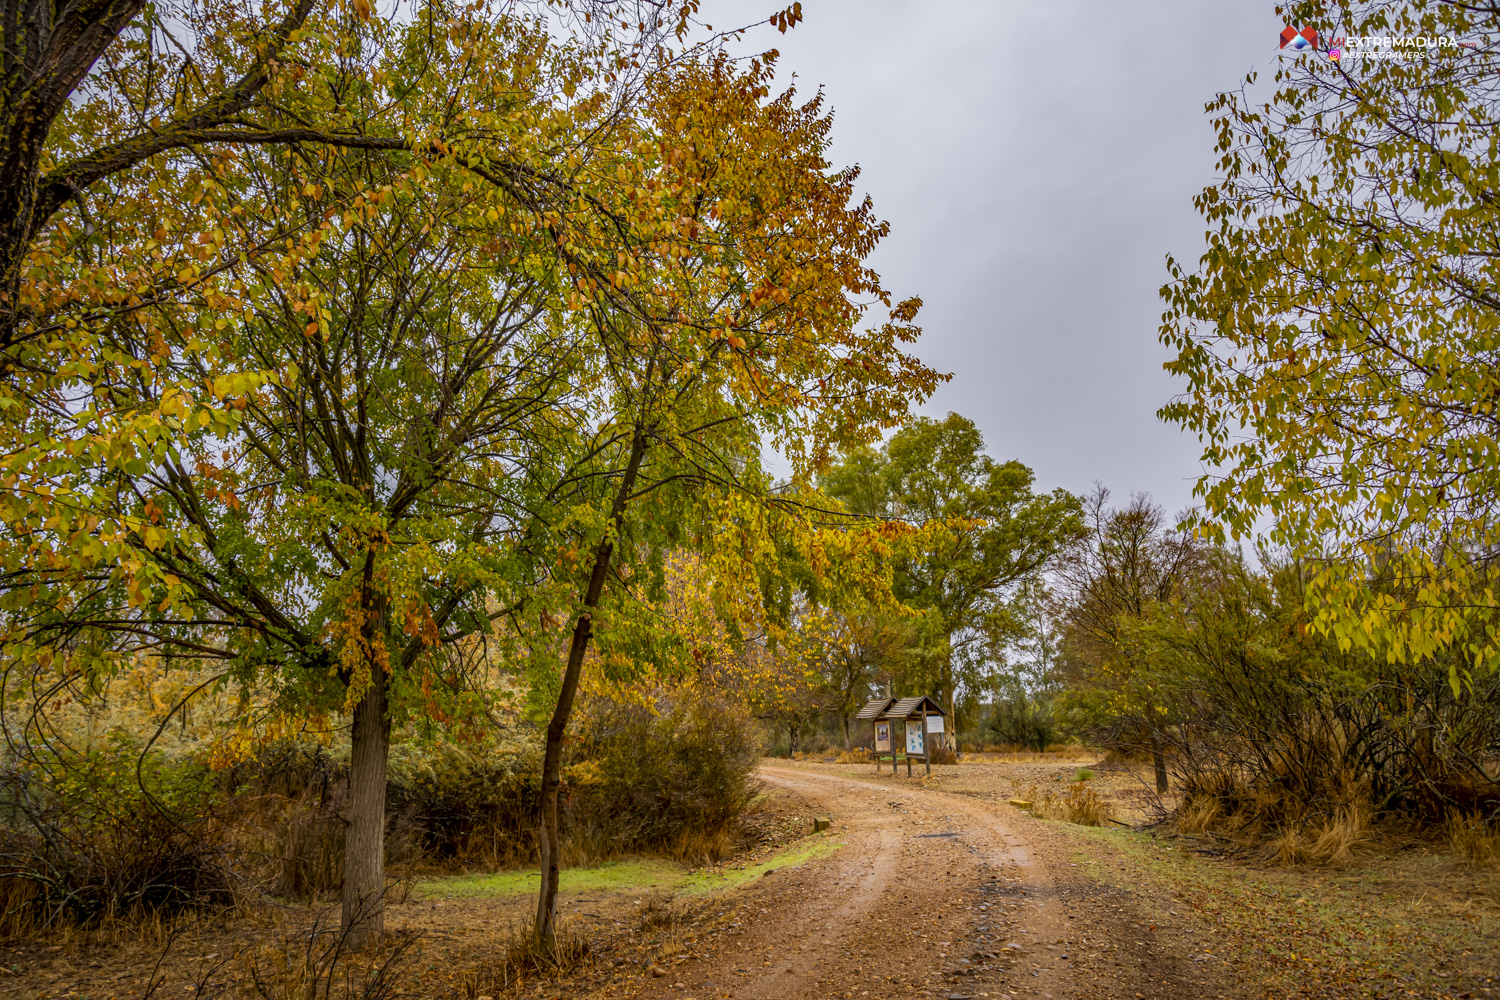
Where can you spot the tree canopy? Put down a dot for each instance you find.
(990, 531)
(1337, 339)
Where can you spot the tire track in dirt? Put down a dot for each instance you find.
(892, 910)
(933, 894)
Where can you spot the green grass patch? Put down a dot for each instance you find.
(624, 876)
(613, 875)
(807, 849)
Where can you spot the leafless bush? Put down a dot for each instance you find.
(523, 960)
(324, 969)
(84, 839)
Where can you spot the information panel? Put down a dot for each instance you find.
(914, 742)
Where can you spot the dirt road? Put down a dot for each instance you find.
(935, 894)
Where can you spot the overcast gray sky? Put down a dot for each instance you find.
(1037, 161)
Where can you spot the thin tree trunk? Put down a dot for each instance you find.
(364, 840)
(1158, 762)
(545, 929)
(844, 717)
(952, 699)
(1158, 755)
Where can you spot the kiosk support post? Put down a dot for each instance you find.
(927, 750)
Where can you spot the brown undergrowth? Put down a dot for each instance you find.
(1333, 834)
(521, 961)
(1336, 830)
(1474, 840)
(1080, 804)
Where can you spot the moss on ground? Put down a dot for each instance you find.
(798, 853)
(625, 876)
(613, 875)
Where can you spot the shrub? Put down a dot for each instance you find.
(1304, 744)
(690, 767)
(1021, 721)
(673, 780)
(282, 813)
(1083, 774)
(81, 841)
(98, 833)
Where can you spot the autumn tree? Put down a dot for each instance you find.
(864, 649)
(1337, 340)
(1132, 562)
(95, 90)
(735, 312)
(996, 531)
(133, 255)
(339, 544)
(320, 467)
(511, 347)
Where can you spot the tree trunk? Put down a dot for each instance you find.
(1158, 755)
(1159, 762)
(364, 840)
(949, 686)
(844, 717)
(49, 49)
(544, 932)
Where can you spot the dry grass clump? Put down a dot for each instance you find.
(1327, 840)
(1080, 804)
(1474, 839)
(522, 961)
(1199, 815)
(1287, 829)
(702, 845)
(856, 755)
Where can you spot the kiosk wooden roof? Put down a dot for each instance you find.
(920, 712)
(906, 708)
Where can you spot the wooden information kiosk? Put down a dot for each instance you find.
(921, 719)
